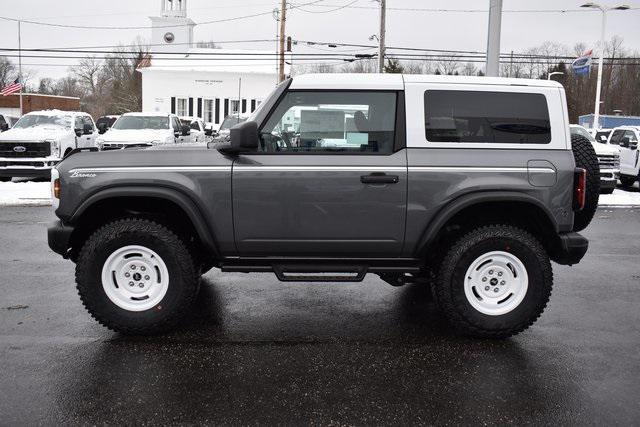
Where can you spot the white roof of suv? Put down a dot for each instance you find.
(397, 81)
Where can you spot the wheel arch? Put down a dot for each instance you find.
(144, 201)
(485, 206)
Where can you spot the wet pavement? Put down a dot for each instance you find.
(257, 351)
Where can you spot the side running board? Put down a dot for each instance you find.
(323, 273)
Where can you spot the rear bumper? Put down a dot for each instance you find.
(59, 237)
(571, 248)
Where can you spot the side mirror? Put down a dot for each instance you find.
(185, 130)
(244, 138)
(87, 129)
(4, 126)
(633, 145)
(624, 142)
(78, 132)
(102, 128)
(208, 130)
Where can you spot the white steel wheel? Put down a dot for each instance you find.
(496, 283)
(135, 278)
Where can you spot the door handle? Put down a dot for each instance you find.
(379, 178)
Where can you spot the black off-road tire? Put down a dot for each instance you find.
(627, 181)
(449, 292)
(585, 157)
(183, 286)
(607, 191)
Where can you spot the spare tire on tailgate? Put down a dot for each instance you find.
(585, 157)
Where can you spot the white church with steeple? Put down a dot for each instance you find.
(201, 82)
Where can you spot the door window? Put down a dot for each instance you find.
(616, 137)
(632, 136)
(87, 121)
(332, 122)
(78, 125)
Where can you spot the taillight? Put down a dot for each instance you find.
(56, 188)
(579, 188)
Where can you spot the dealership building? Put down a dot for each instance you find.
(204, 82)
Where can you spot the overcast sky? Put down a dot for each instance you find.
(438, 30)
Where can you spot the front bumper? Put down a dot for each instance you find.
(28, 167)
(59, 237)
(609, 178)
(571, 248)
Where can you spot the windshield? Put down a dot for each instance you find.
(579, 130)
(141, 122)
(231, 121)
(33, 120)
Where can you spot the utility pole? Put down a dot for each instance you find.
(383, 13)
(20, 66)
(283, 18)
(493, 38)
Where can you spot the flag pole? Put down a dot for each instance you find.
(20, 66)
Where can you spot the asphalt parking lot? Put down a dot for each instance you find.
(257, 351)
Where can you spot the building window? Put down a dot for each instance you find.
(234, 106)
(182, 107)
(207, 110)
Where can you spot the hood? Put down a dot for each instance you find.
(36, 133)
(605, 148)
(136, 135)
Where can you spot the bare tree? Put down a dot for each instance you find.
(448, 65)
(7, 71)
(469, 69)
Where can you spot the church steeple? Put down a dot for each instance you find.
(174, 8)
(172, 30)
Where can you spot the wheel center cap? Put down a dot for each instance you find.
(137, 276)
(493, 281)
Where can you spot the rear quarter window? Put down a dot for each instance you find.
(486, 117)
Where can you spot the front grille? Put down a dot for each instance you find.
(25, 149)
(609, 161)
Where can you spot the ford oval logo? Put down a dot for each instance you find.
(19, 149)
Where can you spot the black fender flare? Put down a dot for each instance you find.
(462, 202)
(170, 194)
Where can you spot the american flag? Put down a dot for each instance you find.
(11, 88)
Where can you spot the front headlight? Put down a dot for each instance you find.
(55, 146)
(155, 142)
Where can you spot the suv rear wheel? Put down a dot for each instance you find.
(494, 282)
(136, 277)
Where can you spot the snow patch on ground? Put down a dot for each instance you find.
(25, 193)
(28, 193)
(620, 198)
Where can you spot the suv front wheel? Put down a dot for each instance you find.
(136, 276)
(494, 282)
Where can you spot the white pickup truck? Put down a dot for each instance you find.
(143, 130)
(40, 139)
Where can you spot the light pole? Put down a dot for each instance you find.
(555, 73)
(604, 10)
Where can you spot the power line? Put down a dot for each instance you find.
(438, 10)
(146, 27)
(328, 11)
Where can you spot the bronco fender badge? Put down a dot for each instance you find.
(76, 174)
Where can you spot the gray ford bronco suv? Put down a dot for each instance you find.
(471, 186)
